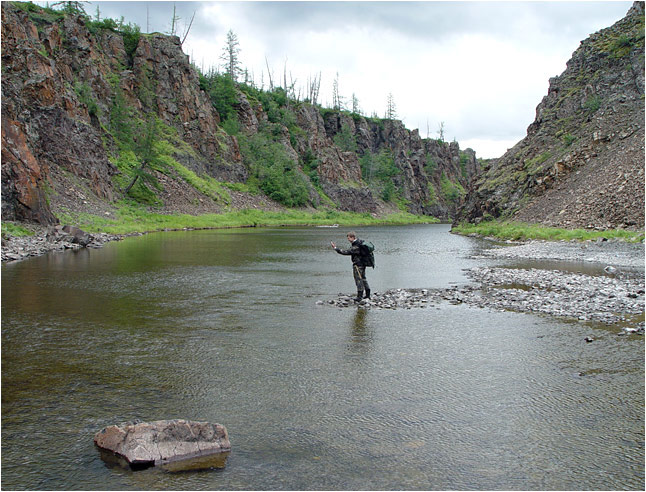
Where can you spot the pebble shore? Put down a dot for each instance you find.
(48, 240)
(615, 296)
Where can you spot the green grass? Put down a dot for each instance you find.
(131, 219)
(204, 184)
(521, 231)
(11, 229)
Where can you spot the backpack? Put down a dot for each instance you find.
(367, 253)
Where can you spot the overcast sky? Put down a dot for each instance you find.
(480, 68)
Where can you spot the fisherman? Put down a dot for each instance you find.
(358, 265)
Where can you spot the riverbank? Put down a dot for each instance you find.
(596, 282)
(36, 240)
(21, 240)
(522, 231)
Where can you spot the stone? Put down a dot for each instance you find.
(163, 442)
(77, 235)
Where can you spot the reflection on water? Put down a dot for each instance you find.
(223, 326)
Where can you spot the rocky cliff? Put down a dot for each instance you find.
(76, 96)
(582, 161)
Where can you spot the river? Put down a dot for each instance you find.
(224, 326)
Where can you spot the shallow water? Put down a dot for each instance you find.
(223, 326)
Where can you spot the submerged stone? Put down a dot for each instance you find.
(167, 443)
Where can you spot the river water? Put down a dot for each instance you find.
(224, 326)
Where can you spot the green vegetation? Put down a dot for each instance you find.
(621, 43)
(432, 194)
(132, 218)
(273, 171)
(16, 230)
(310, 167)
(346, 140)
(430, 165)
(451, 191)
(592, 104)
(140, 157)
(521, 231)
(568, 139)
(533, 165)
(39, 14)
(207, 185)
(84, 93)
(464, 159)
(222, 92)
(378, 170)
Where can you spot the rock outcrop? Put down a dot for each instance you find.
(46, 129)
(164, 441)
(582, 161)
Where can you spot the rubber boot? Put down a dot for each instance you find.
(359, 296)
(367, 294)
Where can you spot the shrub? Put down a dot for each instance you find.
(131, 34)
(532, 165)
(451, 191)
(431, 166)
(592, 104)
(345, 139)
(432, 194)
(378, 170)
(84, 92)
(231, 126)
(568, 139)
(464, 159)
(221, 89)
(310, 167)
(273, 170)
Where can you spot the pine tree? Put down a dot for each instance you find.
(74, 7)
(336, 98)
(355, 104)
(391, 110)
(173, 25)
(440, 131)
(231, 56)
(147, 153)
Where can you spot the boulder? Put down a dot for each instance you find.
(77, 235)
(163, 442)
(70, 234)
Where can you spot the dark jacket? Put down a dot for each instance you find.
(353, 251)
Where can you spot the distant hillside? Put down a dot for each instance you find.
(582, 161)
(96, 114)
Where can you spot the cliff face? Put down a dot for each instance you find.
(65, 81)
(582, 161)
(45, 129)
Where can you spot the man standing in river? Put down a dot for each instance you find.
(358, 266)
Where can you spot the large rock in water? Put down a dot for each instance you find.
(163, 441)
